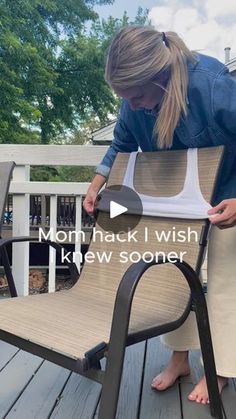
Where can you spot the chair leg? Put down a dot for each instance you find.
(111, 383)
(7, 268)
(208, 357)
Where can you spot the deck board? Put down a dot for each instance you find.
(38, 399)
(7, 353)
(155, 404)
(15, 377)
(78, 400)
(35, 389)
(229, 400)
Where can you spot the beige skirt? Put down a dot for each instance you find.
(221, 302)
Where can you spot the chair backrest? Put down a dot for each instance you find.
(6, 169)
(157, 174)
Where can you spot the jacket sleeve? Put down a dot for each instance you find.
(224, 103)
(123, 142)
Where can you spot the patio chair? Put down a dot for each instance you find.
(114, 304)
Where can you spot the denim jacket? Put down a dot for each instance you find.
(210, 121)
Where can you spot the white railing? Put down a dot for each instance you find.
(21, 188)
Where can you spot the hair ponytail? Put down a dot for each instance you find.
(174, 100)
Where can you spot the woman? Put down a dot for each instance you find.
(175, 99)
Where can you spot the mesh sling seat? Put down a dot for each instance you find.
(114, 304)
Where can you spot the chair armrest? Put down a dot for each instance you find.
(126, 291)
(134, 273)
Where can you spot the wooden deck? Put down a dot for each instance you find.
(31, 388)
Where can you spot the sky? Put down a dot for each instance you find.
(205, 25)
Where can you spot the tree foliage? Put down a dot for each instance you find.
(37, 41)
(105, 29)
(52, 68)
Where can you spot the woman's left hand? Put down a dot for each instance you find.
(223, 215)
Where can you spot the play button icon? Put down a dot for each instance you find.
(116, 209)
(119, 209)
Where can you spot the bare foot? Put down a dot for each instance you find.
(200, 393)
(178, 366)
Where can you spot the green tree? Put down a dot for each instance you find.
(36, 39)
(104, 29)
(52, 69)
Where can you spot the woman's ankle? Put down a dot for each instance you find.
(180, 354)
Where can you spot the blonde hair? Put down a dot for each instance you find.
(135, 57)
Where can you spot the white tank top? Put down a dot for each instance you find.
(189, 203)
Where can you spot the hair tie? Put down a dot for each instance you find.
(165, 40)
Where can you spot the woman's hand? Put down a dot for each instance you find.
(91, 196)
(223, 215)
(89, 201)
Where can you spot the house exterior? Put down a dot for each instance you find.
(104, 135)
(232, 67)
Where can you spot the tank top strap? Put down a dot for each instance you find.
(191, 183)
(130, 170)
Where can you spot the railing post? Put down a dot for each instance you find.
(43, 212)
(52, 252)
(20, 251)
(78, 227)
